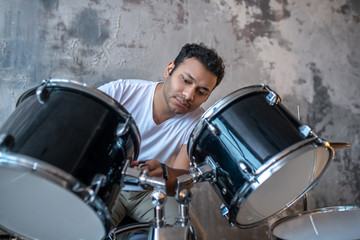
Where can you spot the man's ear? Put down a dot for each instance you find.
(169, 68)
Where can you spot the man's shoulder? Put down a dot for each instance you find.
(133, 82)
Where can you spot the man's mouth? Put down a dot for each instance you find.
(182, 103)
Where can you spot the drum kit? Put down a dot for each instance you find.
(66, 151)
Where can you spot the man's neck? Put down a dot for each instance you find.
(161, 111)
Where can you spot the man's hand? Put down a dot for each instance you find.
(152, 165)
(155, 170)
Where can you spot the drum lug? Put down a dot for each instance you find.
(7, 142)
(41, 93)
(272, 98)
(247, 174)
(213, 128)
(225, 212)
(89, 193)
(306, 131)
(123, 128)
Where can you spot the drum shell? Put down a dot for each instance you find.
(245, 135)
(73, 131)
(262, 134)
(65, 136)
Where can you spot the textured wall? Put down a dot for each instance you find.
(307, 51)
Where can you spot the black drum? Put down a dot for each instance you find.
(6, 236)
(62, 153)
(263, 158)
(340, 223)
(135, 231)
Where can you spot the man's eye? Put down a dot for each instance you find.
(185, 80)
(202, 93)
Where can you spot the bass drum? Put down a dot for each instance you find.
(62, 153)
(263, 158)
(135, 231)
(338, 223)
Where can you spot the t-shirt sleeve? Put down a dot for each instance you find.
(114, 89)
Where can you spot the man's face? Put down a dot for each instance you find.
(189, 85)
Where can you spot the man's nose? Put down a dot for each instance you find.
(189, 93)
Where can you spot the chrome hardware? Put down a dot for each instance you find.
(225, 212)
(135, 175)
(213, 128)
(35, 166)
(305, 131)
(89, 193)
(183, 198)
(158, 199)
(206, 171)
(6, 142)
(224, 191)
(123, 128)
(247, 174)
(41, 92)
(272, 98)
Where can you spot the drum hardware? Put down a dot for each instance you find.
(306, 131)
(158, 199)
(89, 193)
(306, 202)
(135, 175)
(225, 212)
(272, 98)
(123, 128)
(183, 198)
(41, 93)
(339, 145)
(213, 128)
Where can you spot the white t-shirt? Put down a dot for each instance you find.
(161, 141)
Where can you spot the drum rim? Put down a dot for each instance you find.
(223, 102)
(131, 226)
(340, 208)
(277, 161)
(55, 175)
(39, 168)
(12, 234)
(217, 107)
(93, 92)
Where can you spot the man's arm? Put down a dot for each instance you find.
(182, 160)
(181, 166)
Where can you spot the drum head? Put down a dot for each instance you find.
(282, 184)
(38, 208)
(340, 223)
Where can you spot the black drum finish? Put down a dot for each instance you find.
(249, 130)
(74, 131)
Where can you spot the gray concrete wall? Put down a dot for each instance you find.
(307, 51)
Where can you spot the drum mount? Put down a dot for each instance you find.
(159, 230)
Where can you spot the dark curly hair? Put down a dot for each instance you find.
(207, 56)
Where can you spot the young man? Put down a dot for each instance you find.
(165, 113)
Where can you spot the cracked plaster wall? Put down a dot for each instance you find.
(307, 51)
